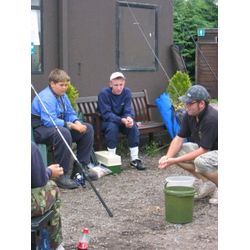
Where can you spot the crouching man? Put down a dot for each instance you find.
(199, 156)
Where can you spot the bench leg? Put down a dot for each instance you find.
(151, 137)
(99, 143)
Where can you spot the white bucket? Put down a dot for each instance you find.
(186, 181)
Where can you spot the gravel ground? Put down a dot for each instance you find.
(136, 199)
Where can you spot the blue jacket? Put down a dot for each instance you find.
(115, 107)
(40, 174)
(59, 108)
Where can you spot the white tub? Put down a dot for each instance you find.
(186, 181)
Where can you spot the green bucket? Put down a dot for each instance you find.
(179, 203)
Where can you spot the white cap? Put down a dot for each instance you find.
(116, 75)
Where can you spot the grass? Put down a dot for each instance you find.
(151, 148)
(122, 148)
(154, 148)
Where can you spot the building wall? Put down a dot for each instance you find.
(207, 61)
(80, 37)
(50, 43)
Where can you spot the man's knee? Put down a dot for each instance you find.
(199, 165)
(187, 147)
(207, 162)
(43, 198)
(66, 134)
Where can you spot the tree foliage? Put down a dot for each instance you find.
(189, 15)
(72, 94)
(178, 86)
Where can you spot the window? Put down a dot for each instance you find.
(136, 36)
(36, 37)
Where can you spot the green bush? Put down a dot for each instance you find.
(72, 94)
(178, 86)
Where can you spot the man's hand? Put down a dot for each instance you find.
(56, 170)
(165, 162)
(78, 126)
(128, 122)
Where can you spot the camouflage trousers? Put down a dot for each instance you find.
(47, 198)
(207, 162)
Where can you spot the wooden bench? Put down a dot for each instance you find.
(88, 106)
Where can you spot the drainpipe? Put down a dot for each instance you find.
(63, 34)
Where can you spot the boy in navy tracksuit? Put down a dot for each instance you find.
(114, 105)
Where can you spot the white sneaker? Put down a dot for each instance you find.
(214, 197)
(206, 188)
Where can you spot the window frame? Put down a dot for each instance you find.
(118, 57)
(40, 8)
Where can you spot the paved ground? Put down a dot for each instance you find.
(136, 200)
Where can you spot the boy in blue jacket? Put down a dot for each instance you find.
(60, 110)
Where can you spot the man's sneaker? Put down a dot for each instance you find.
(204, 189)
(77, 169)
(137, 164)
(65, 182)
(93, 176)
(214, 197)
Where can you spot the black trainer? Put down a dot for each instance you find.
(65, 182)
(138, 164)
(76, 169)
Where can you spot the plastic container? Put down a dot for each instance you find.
(83, 242)
(44, 245)
(110, 160)
(183, 181)
(179, 202)
(115, 169)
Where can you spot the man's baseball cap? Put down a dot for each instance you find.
(195, 93)
(116, 75)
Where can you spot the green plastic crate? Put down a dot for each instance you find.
(115, 169)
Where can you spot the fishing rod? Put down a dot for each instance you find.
(148, 43)
(73, 154)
